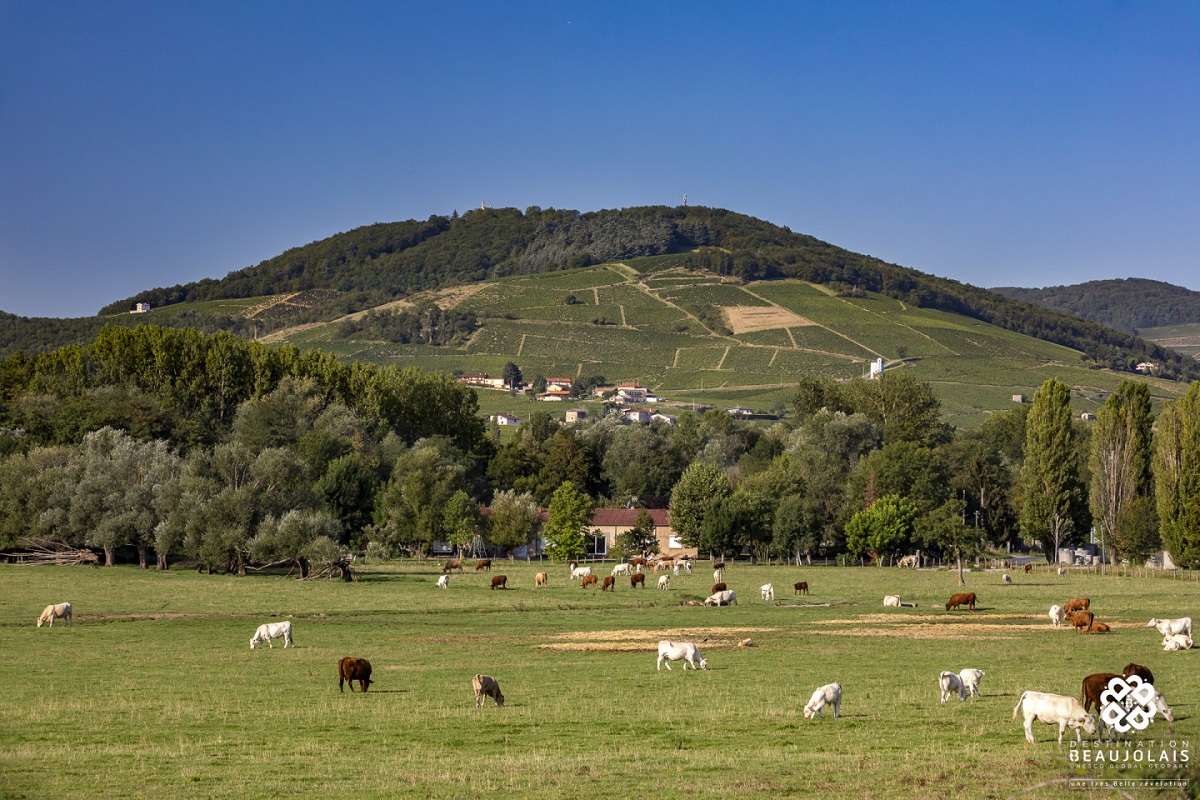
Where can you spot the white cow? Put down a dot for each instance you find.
(1006, 578)
(830, 693)
(1170, 626)
(621, 569)
(951, 684)
(273, 630)
(674, 651)
(1177, 641)
(56, 611)
(768, 591)
(686, 566)
(970, 680)
(718, 575)
(894, 601)
(1054, 709)
(579, 573)
(443, 582)
(664, 582)
(725, 597)
(1057, 615)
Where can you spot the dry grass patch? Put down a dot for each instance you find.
(628, 641)
(747, 319)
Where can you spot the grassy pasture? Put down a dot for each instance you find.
(155, 692)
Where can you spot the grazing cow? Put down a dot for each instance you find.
(1057, 615)
(719, 565)
(686, 566)
(443, 582)
(964, 599)
(1169, 626)
(588, 580)
(1062, 571)
(610, 583)
(1098, 627)
(718, 587)
(354, 669)
(829, 694)
(541, 579)
(1078, 604)
(1137, 669)
(56, 611)
(1028, 568)
(951, 683)
(1082, 620)
(1006, 578)
(1176, 642)
(638, 563)
(908, 562)
(768, 591)
(664, 582)
(272, 630)
(454, 563)
(483, 563)
(801, 587)
(664, 563)
(486, 686)
(637, 579)
(500, 580)
(1054, 709)
(1093, 686)
(579, 573)
(621, 569)
(674, 651)
(970, 680)
(725, 597)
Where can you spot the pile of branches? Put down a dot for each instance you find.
(45, 551)
(339, 567)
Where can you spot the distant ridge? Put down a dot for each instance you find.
(1129, 304)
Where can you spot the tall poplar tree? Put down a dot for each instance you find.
(1177, 477)
(1052, 493)
(1120, 461)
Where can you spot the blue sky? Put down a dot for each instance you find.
(146, 144)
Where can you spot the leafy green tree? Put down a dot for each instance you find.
(944, 529)
(567, 518)
(409, 507)
(460, 519)
(903, 468)
(294, 538)
(640, 540)
(798, 526)
(906, 408)
(513, 519)
(1120, 459)
(1052, 493)
(1137, 535)
(1177, 477)
(511, 375)
(883, 529)
(348, 490)
(691, 500)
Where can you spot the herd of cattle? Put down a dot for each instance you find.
(1063, 711)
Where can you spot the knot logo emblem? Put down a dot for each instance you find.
(1127, 704)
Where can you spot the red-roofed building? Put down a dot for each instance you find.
(611, 522)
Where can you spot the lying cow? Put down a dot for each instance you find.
(894, 601)
(56, 611)
(1169, 626)
(768, 591)
(1054, 709)
(725, 597)
(1176, 642)
(354, 669)
(829, 694)
(272, 630)
(486, 686)
(964, 599)
(1057, 615)
(674, 651)
(1099, 627)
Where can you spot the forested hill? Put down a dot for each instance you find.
(368, 266)
(1131, 304)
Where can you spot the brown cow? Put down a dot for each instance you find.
(1098, 627)
(719, 565)
(1082, 620)
(638, 562)
(609, 583)
(541, 579)
(486, 686)
(354, 669)
(1028, 568)
(1093, 687)
(588, 580)
(1137, 669)
(965, 598)
(637, 578)
(802, 587)
(1078, 604)
(483, 563)
(501, 581)
(454, 563)
(718, 587)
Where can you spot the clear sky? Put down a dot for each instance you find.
(1024, 143)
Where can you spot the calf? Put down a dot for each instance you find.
(970, 680)
(674, 651)
(801, 587)
(486, 686)
(829, 694)
(725, 597)
(964, 599)
(56, 611)
(272, 630)
(1082, 620)
(1176, 642)
(718, 587)
(664, 582)
(637, 579)
(768, 591)
(541, 579)
(483, 563)
(1057, 615)
(454, 563)
(1054, 709)
(588, 580)
(951, 683)
(500, 581)
(354, 669)
(1098, 627)
(1169, 626)
(443, 582)
(610, 584)
(1078, 604)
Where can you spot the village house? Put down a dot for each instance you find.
(140, 308)
(558, 385)
(611, 522)
(505, 419)
(576, 415)
(556, 395)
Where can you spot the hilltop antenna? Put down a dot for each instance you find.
(685, 201)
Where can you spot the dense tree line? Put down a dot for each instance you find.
(426, 323)
(1129, 304)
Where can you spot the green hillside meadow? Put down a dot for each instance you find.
(155, 692)
(677, 332)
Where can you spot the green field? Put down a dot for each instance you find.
(154, 692)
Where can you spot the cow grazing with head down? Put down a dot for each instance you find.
(443, 582)
(664, 582)
(801, 587)
(483, 563)
(1082, 620)
(1054, 709)
(588, 580)
(624, 568)
(1078, 604)
(637, 579)
(500, 581)
(272, 630)
(56, 611)
(541, 579)
(829, 694)
(354, 669)
(951, 684)
(579, 573)
(1006, 578)
(1028, 568)
(768, 591)
(486, 686)
(970, 680)
(725, 597)
(962, 599)
(610, 584)
(454, 563)
(674, 651)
